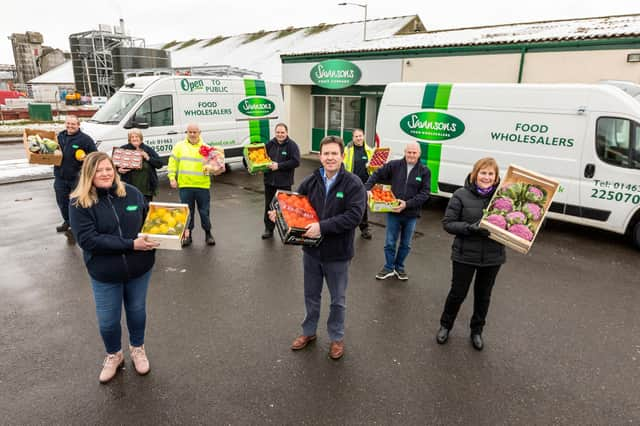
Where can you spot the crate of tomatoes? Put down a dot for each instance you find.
(378, 159)
(381, 199)
(293, 213)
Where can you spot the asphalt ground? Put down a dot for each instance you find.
(562, 338)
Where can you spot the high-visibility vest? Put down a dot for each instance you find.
(186, 163)
(348, 155)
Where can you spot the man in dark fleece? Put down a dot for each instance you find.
(338, 198)
(75, 145)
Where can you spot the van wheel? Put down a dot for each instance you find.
(244, 163)
(636, 235)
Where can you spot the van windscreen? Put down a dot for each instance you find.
(116, 108)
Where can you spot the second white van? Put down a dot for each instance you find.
(587, 137)
(230, 112)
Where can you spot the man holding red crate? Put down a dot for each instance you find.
(339, 198)
(356, 156)
(285, 156)
(410, 181)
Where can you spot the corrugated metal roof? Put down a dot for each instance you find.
(530, 32)
(261, 51)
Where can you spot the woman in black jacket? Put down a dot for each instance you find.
(106, 216)
(145, 179)
(472, 251)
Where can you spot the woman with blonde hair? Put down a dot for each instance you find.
(106, 216)
(146, 178)
(472, 253)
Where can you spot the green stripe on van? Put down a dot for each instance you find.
(255, 88)
(436, 96)
(430, 157)
(258, 129)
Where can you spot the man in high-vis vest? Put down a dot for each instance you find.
(185, 172)
(356, 156)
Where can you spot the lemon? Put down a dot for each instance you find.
(154, 230)
(163, 228)
(80, 154)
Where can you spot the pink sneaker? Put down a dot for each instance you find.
(110, 366)
(139, 359)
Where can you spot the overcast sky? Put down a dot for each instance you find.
(160, 22)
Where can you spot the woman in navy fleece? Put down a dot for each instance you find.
(106, 216)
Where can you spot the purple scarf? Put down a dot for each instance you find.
(484, 191)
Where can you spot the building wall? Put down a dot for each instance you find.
(587, 66)
(297, 100)
(500, 68)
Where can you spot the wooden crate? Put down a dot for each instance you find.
(54, 159)
(516, 174)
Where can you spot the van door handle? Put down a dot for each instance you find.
(589, 170)
(172, 133)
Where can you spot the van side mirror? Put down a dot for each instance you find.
(133, 124)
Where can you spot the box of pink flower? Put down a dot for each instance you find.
(518, 208)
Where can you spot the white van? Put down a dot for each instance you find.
(585, 136)
(230, 112)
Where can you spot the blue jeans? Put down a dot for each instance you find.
(403, 227)
(109, 298)
(202, 197)
(337, 277)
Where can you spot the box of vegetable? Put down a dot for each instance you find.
(293, 213)
(381, 199)
(165, 224)
(42, 147)
(378, 159)
(518, 208)
(256, 157)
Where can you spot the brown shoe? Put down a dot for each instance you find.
(336, 350)
(139, 359)
(112, 363)
(301, 342)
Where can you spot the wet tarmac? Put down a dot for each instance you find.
(562, 338)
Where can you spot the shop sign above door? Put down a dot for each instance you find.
(335, 74)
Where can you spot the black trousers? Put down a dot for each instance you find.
(460, 282)
(63, 188)
(269, 192)
(364, 224)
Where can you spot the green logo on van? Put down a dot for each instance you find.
(335, 74)
(191, 85)
(256, 107)
(432, 126)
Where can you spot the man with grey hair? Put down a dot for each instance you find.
(410, 181)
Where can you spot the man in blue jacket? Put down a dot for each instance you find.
(74, 145)
(285, 157)
(339, 199)
(410, 181)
